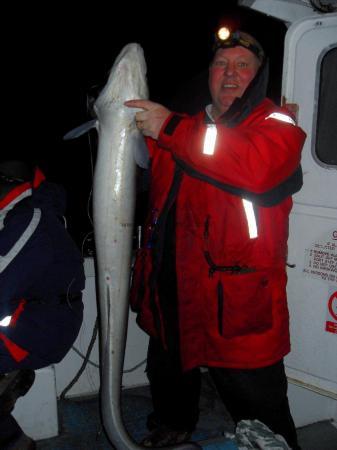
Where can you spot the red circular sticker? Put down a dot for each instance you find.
(332, 305)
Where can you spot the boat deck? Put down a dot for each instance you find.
(80, 424)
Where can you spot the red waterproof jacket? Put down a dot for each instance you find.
(232, 209)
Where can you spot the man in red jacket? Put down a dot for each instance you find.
(209, 282)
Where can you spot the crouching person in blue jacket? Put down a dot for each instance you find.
(41, 283)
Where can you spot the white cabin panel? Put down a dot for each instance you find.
(312, 363)
(314, 349)
(286, 10)
(307, 42)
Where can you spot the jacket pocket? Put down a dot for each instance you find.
(244, 304)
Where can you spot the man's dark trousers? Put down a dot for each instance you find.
(247, 394)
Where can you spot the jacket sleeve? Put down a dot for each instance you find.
(256, 157)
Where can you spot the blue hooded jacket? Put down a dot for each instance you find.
(40, 263)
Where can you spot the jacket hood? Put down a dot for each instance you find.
(47, 195)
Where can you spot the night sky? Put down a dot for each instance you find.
(55, 60)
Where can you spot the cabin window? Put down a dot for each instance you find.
(326, 135)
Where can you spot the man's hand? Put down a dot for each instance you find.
(149, 121)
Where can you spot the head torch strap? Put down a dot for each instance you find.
(242, 39)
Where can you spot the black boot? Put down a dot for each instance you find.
(12, 386)
(12, 437)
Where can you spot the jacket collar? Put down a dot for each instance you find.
(15, 196)
(22, 191)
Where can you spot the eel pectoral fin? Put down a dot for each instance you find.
(82, 129)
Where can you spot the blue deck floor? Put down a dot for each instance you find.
(80, 425)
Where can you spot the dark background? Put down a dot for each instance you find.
(56, 59)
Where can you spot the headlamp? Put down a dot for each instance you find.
(224, 38)
(223, 33)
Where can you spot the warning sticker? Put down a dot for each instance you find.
(331, 316)
(320, 260)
